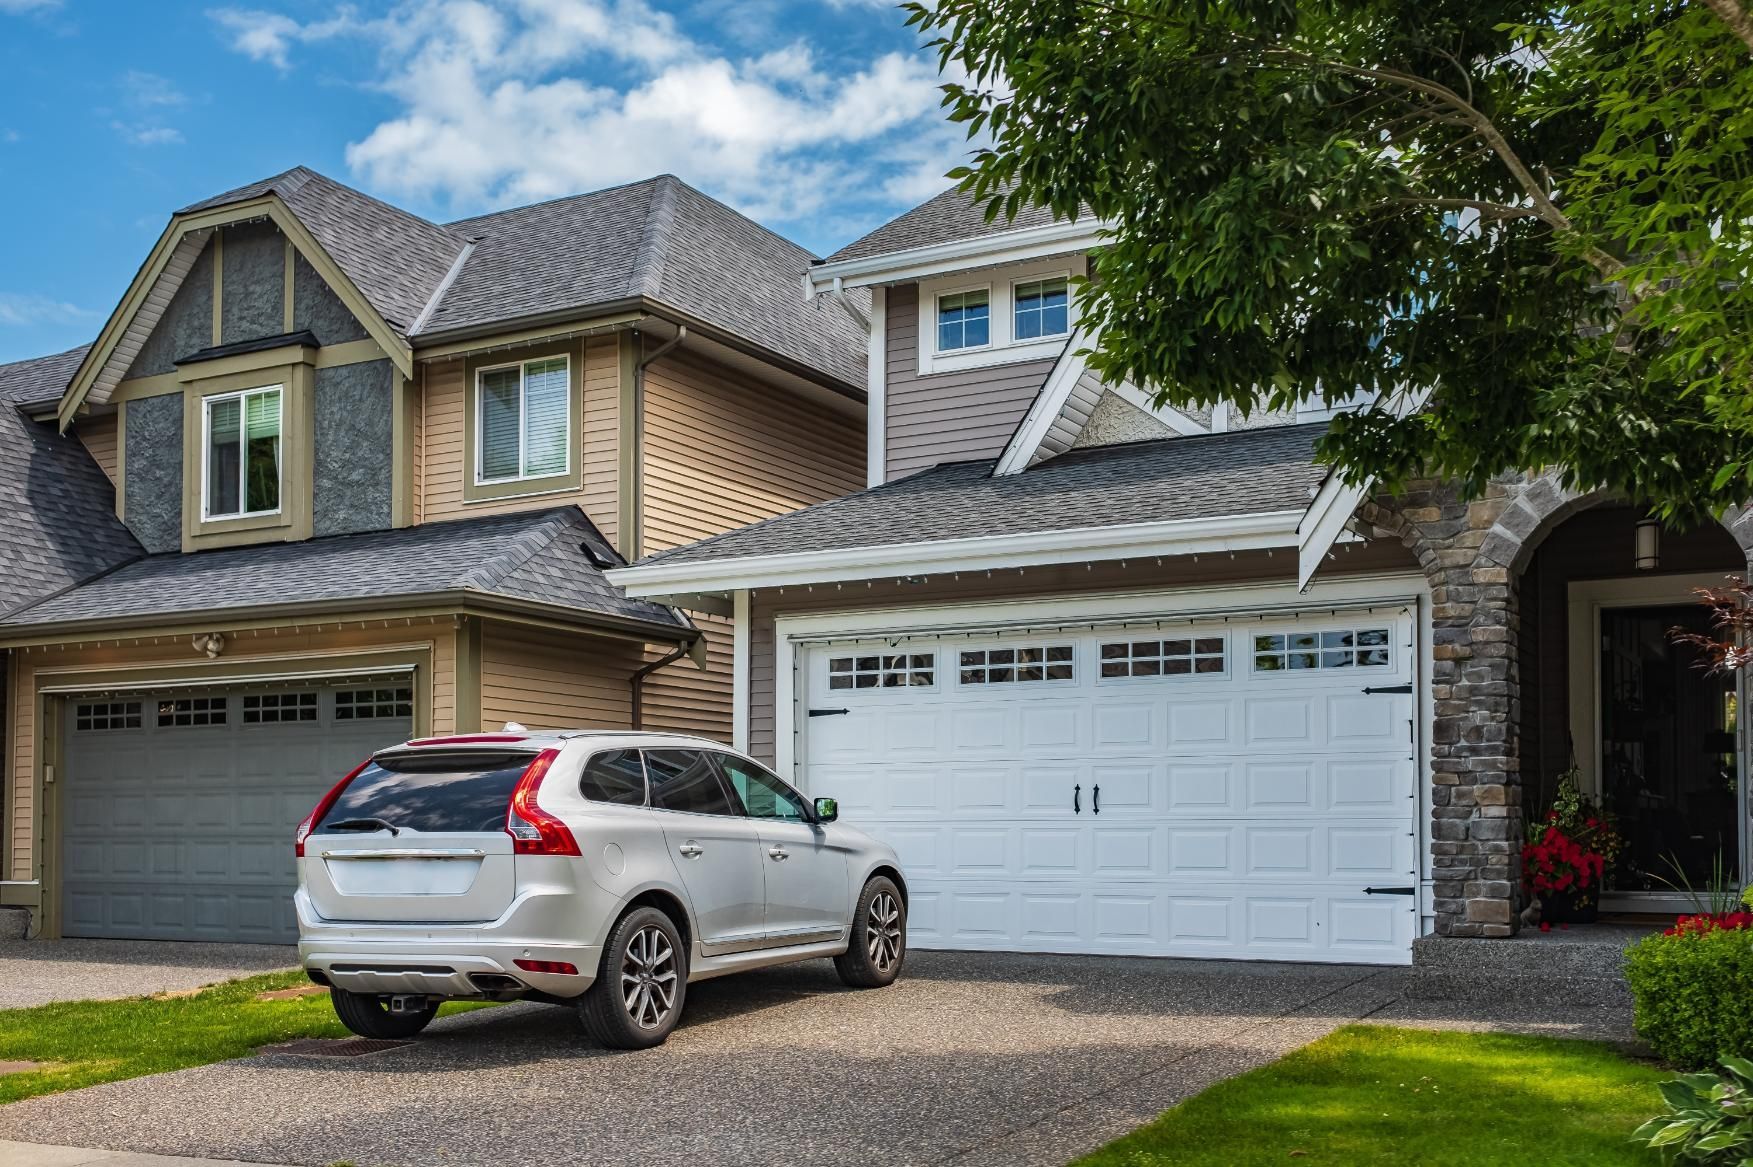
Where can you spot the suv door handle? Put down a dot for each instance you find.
(778, 852)
(691, 849)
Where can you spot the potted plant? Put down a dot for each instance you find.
(1567, 854)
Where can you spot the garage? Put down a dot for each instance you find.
(1238, 787)
(178, 806)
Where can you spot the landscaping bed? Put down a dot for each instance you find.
(82, 1043)
(1372, 1095)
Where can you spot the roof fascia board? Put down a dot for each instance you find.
(916, 263)
(571, 325)
(1046, 407)
(416, 606)
(1265, 530)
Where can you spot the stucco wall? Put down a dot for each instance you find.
(153, 474)
(354, 469)
(316, 307)
(253, 287)
(187, 323)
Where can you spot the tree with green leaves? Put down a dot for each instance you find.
(1540, 215)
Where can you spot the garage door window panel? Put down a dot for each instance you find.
(687, 781)
(279, 708)
(106, 715)
(1334, 649)
(369, 704)
(615, 776)
(915, 670)
(1019, 664)
(1181, 656)
(184, 712)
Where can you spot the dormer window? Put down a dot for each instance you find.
(524, 417)
(964, 320)
(242, 472)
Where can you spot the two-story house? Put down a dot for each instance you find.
(1115, 678)
(332, 476)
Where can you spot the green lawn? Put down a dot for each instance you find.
(1369, 1095)
(88, 1042)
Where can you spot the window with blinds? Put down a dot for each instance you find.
(243, 453)
(523, 419)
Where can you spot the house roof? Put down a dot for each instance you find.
(1246, 472)
(949, 217)
(57, 509)
(659, 239)
(548, 557)
(397, 260)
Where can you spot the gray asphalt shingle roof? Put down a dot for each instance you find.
(948, 217)
(396, 259)
(1208, 476)
(659, 239)
(57, 509)
(538, 556)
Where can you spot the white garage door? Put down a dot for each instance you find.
(179, 808)
(1229, 789)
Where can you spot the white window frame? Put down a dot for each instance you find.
(1122, 636)
(1002, 347)
(241, 396)
(1069, 305)
(522, 430)
(937, 299)
(1392, 665)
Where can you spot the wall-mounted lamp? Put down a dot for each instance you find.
(1646, 545)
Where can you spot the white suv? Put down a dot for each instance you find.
(605, 871)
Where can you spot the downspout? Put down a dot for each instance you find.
(635, 539)
(636, 683)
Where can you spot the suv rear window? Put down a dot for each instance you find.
(432, 793)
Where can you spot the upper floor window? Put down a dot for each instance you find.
(1043, 308)
(964, 320)
(242, 472)
(524, 420)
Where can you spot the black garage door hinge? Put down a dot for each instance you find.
(828, 712)
(1406, 688)
(1388, 891)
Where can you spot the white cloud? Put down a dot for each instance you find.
(145, 135)
(14, 7)
(23, 310)
(506, 101)
(149, 89)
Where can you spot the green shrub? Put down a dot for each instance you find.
(1694, 992)
(1709, 1118)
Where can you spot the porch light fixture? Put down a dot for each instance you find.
(1646, 545)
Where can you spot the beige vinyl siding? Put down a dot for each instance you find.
(98, 432)
(444, 448)
(721, 451)
(1034, 583)
(601, 445)
(547, 681)
(946, 417)
(246, 652)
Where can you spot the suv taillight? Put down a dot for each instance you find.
(533, 830)
(322, 808)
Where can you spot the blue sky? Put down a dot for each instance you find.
(818, 117)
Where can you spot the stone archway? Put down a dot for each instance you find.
(1473, 551)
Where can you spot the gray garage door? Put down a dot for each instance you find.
(178, 808)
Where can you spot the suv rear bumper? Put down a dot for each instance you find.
(439, 960)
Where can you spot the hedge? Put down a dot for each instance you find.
(1694, 994)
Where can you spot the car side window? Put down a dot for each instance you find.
(614, 776)
(686, 780)
(763, 795)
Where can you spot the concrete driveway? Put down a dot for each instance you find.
(36, 972)
(969, 1059)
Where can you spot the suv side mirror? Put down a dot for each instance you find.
(827, 809)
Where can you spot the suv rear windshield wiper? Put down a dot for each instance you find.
(362, 825)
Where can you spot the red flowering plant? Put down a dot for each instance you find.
(1706, 922)
(1569, 850)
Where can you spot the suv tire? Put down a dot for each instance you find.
(369, 1015)
(641, 985)
(878, 946)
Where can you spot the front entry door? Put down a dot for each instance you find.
(808, 896)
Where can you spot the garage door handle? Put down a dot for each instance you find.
(1388, 891)
(1077, 799)
(828, 712)
(1096, 799)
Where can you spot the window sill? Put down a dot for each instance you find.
(522, 488)
(1010, 354)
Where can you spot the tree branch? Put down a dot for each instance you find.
(1732, 14)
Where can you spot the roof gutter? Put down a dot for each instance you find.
(636, 683)
(914, 263)
(1221, 534)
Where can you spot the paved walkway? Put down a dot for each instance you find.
(36, 972)
(973, 1060)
